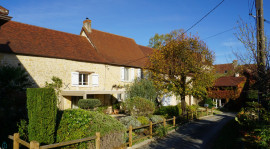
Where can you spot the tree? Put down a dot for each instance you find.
(142, 88)
(246, 34)
(182, 65)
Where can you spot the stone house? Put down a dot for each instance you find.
(94, 64)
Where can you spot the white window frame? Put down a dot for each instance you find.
(124, 77)
(95, 83)
(139, 73)
(132, 74)
(75, 79)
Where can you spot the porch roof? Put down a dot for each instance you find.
(83, 93)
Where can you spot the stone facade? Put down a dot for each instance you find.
(42, 69)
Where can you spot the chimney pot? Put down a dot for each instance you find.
(87, 25)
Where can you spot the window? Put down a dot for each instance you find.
(132, 74)
(95, 79)
(124, 74)
(79, 79)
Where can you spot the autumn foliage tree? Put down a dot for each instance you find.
(182, 65)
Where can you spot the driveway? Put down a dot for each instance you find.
(195, 135)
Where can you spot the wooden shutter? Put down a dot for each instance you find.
(95, 78)
(139, 73)
(132, 75)
(122, 73)
(74, 78)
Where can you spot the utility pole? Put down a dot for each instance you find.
(261, 58)
(261, 62)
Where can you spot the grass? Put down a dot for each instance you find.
(229, 137)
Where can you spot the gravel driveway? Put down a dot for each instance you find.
(195, 135)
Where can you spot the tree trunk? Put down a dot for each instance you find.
(183, 94)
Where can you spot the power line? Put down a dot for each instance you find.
(204, 16)
(219, 33)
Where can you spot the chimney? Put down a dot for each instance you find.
(235, 63)
(4, 18)
(87, 25)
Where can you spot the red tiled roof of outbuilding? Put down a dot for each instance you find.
(19, 38)
(229, 81)
(221, 68)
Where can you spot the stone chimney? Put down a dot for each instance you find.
(87, 25)
(235, 64)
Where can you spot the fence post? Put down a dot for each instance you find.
(192, 115)
(187, 115)
(97, 140)
(196, 113)
(34, 145)
(15, 143)
(206, 111)
(130, 136)
(174, 121)
(164, 122)
(150, 130)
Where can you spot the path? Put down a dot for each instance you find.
(195, 135)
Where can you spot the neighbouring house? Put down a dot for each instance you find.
(94, 64)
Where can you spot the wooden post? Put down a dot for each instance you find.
(187, 115)
(206, 110)
(173, 121)
(196, 113)
(97, 140)
(150, 130)
(16, 136)
(164, 122)
(192, 115)
(34, 145)
(130, 136)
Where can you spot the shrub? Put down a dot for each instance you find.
(23, 129)
(78, 123)
(168, 111)
(156, 118)
(139, 106)
(42, 110)
(142, 88)
(89, 103)
(209, 102)
(144, 120)
(130, 120)
(161, 131)
(192, 108)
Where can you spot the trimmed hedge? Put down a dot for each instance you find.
(42, 111)
(168, 111)
(139, 106)
(77, 123)
(89, 103)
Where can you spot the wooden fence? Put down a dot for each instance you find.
(35, 145)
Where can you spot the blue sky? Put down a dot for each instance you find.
(141, 19)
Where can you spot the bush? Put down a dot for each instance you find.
(161, 131)
(142, 88)
(42, 110)
(144, 120)
(23, 130)
(78, 123)
(156, 118)
(168, 111)
(89, 103)
(130, 120)
(139, 106)
(209, 102)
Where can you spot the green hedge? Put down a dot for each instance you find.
(168, 111)
(42, 110)
(78, 123)
(89, 103)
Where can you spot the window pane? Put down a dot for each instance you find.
(126, 74)
(85, 79)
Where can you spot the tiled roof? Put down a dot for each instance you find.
(117, 49)
(224, 68)
(26, 39)
(229, 81)
(146, 50)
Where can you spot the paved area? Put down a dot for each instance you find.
(195, 135)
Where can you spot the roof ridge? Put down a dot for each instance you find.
(47, 28)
